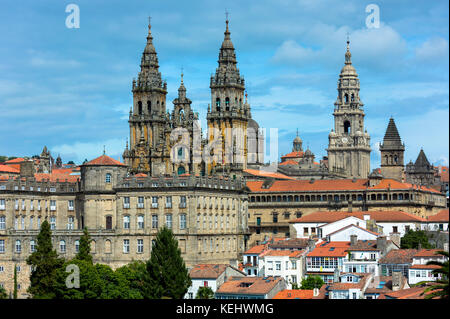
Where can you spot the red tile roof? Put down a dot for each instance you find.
(293, 154)
(442, 216)
(212, 271)
(258, 249)
(294, 294)
(378, 216)
(16, 160)
(9, 169)
(332, 184)
(290, 253)
(249, 285)
(410, 293)
(289, 162)
(104, 160)
(428, 253)
(398, 256)
(417, 266)
(330, 249)
(56, 176)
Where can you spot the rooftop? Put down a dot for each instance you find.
(249, 285)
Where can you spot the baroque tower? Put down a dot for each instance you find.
(148, 152)
(228, 115)
(349, 143)
(392, 150)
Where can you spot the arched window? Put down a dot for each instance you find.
(218, 104)
(107, 246)
(18, 246)
(180, 153)
(181, 170)
(108, 222)
(181, 114)
(149, 107)
(395, 159)
(62, 246)
(139, 107)
(108, 178)
(353, 97)
(227, 103)
(346, 98)
(347, 128)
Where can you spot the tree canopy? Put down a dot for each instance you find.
(311, 282)
(413, 238)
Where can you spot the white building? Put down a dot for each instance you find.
(438, 221)
(344, 234)
(284, 263)
(253, 264)
(210, 275)
(420, 271)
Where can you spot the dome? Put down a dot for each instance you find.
(252, 123)
(297, 139)
(348, 69)
(308, 152)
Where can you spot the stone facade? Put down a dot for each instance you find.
(392, 153)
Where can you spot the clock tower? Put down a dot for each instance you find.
(349, 143)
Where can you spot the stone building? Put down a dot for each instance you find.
(421, 172)
(273, 203)
(123, 213)
(349, 143)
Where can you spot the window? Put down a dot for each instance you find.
(53, 222)
(294, 264)
(31, 205)
(275, 218)
(395, 229)
(168, 201)
(140, 245)
(126, 222)
(140, 222)
(22, 222)
(39, 222)
(169, 221)
(70, 221)
(2, 204)
(108, 178)
(2, 222)
(62, 246)
(52, 205)
(126, 246)
(154, 202)
(182, 201)
(77, 246)
(182, 221)
(108, 222)
(140, 202)
(32, 246)
(278, 265)
(70, 204)
(154, 221)
(18, 246)
(31, 222)
(2, 245)
(126, 202)
(270, 265)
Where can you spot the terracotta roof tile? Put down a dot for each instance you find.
(294, 294)
(249, 285)
(207, 270)
(398, 256)
(293, 154)
(261, 173)
(104, 160)
(258, 249)
(441, 216)
(333, 184)
(290, 253)
(379, 216)
(9, 169)
(428, 253)
(330, 249)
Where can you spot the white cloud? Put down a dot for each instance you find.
(434, 50)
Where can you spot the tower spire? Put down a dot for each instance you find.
(348, 55)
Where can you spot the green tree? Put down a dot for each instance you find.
(311, 282)
(71, 163)
(45, 263)
(167, 272)
(412, 239)
(440, 289)
(15, 282)
(135, 273)
(205, 293)
(84, 251)
(3, 294)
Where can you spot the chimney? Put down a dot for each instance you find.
(382, 244)
(350, 205)
(336, 275)
(27, 169)
(353, 240)
(395, 238)
(311, 244)
(396, 280)
(420, 246)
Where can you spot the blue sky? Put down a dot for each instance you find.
(70, 89)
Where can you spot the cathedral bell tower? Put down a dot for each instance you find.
(349, 143)
(392, 150)
(147, 120)
(228, 115)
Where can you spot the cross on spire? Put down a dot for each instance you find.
(226, 14)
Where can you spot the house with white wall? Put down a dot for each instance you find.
(349, 286)
(252, 263)
(420, 271)
(284, 263)
(438, 222)
(345, 233)
(210, 275)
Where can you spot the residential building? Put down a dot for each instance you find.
(420, 271)
(210, 275)
(287, 264)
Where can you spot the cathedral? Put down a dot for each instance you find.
(164, 143)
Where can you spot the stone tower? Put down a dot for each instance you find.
(228, 115)
(421, 172)
(148, 119)
(297, 144)
(349, 143)
(392, 150)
